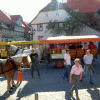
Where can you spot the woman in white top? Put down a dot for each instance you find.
(67, 60)
(85, 46)
(75, 76)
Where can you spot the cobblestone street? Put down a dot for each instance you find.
(51, 81)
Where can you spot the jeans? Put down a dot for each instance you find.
(67, 72)
(36, 67)
(75, 80)
(87, 72)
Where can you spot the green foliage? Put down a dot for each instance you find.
(98, 11)
(70, 26)
(54, 28)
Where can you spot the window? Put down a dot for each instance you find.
(6, 31)
(61, 24)
(46, 14)
(56, 26)
(40, 27)
(40, 37)
(57, 13)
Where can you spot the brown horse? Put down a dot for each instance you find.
(9, 66)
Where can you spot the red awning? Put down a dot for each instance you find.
(70, 39)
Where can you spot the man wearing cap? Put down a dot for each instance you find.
(35, 62)
(88, 58)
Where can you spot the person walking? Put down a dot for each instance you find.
(67, 60)
(75, 76)
(35, 63)
(88, 58)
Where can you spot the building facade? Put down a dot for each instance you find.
(12, 28)
(28, 31)
(53, 11)
(59, 12)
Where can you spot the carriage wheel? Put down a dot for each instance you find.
(59, 64)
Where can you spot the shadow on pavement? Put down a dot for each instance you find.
(95, 93)
(6, 94)
(52, 81)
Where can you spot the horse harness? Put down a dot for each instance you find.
(17, 51)
(11, 63)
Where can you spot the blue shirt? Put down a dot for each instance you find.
(88, 59)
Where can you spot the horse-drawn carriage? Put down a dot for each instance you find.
(16, 57)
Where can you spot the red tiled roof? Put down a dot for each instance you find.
(14, 17)
(84, 5)
(5, 16)
(25, 24)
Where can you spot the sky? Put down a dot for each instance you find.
(28, 9)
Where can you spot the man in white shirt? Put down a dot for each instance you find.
(88, 58)
(67, 60)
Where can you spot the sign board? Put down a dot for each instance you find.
(57, 56)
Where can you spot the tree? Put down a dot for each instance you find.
(70, 26)
(98, 11)
(54, 28)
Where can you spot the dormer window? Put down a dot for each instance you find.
(56, 13)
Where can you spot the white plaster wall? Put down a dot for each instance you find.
(41, 18)
(88, 31)
(51, 16)
(43, 33)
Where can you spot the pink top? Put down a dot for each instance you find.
(67, 58)
(76, 70)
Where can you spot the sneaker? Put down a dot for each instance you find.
(66, 79)
(81, 81)
(39, 77)
(31, 77)
(14, 85)
(91, 83)
(63, 76)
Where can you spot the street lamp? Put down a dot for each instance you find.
(33, 33)
(29, 34)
